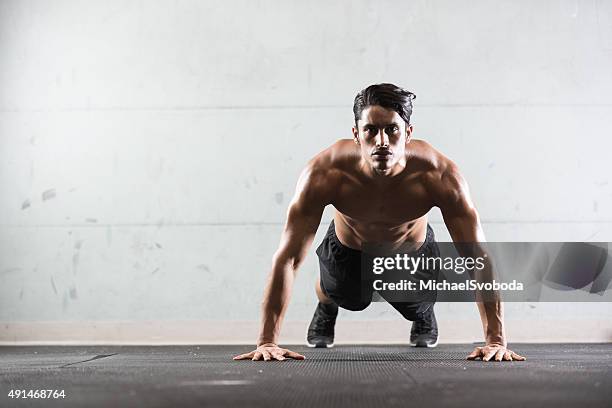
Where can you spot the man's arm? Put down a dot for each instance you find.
(461, 218)
(312, 194)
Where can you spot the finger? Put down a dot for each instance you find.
(499, 356)
(488, 354)
(256, 356)
(474, 354)
(266, 355)
(294, 355)
(278, 355)
(244, 356)
(508, 356)
(518, 357)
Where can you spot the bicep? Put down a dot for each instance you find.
(458, 210)
(464, 227)
(303, 218)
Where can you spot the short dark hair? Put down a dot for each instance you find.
(388, 96)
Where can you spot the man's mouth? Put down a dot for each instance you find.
(382, 154)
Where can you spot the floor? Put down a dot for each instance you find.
(559, 375)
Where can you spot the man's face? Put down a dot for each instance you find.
(382, 136)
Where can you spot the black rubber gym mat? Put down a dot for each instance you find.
(559, 375)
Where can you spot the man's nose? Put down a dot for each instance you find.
(382, 139)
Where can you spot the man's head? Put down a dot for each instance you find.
(382, 125)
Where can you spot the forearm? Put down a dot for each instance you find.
(489, 305)
(275, 302)
(491, 315)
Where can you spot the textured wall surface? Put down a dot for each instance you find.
(149, 149)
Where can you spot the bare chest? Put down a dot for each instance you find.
(386, 206)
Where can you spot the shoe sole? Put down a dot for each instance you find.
(423, 345)
(320, 345)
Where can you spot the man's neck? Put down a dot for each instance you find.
(382, 177)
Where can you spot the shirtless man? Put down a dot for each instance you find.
(382, 185)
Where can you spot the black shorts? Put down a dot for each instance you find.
(341, 275)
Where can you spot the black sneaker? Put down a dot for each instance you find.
(424, 332)
(321, 329)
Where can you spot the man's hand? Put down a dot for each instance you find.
(269, 351)
(495, 352)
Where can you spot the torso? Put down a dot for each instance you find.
(393, 212)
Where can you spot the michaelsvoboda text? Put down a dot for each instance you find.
(471, 284)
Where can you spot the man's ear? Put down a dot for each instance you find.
(409, 130)
(355, 135)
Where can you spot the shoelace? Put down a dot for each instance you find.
(323, 323)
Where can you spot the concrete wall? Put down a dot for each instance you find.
(120, 223)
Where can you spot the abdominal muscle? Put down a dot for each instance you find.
(354, 233)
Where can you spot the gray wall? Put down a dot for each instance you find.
(116, 212)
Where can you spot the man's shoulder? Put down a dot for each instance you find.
(334, 160)
(433, 162)
(441, 173)
(324, 172)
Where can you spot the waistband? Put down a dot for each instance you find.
(429, 238)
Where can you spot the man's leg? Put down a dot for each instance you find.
(420, 309)
(424, 332)
(321, 330)
(322, 296)
(339, 285)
